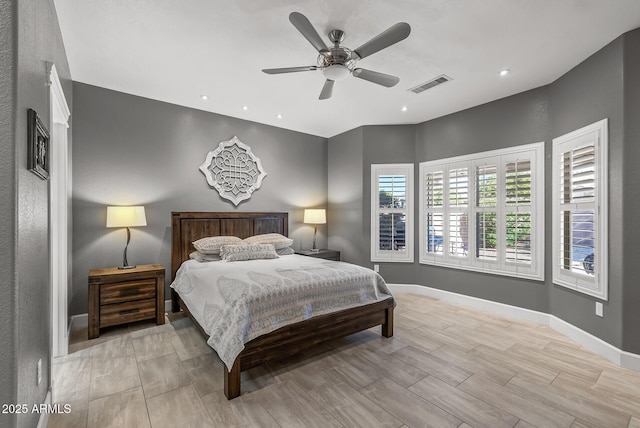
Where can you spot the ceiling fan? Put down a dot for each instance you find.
(338, 62)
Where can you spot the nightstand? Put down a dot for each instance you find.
(119, 296)
(321, 254)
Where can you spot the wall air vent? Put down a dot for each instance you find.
(430, 84)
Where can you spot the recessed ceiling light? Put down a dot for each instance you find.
(404, 108)
(245, 108)
(279, 116)
(504, 72)
(204, 97)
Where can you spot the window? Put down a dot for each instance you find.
(485, 212)
(392, 213)
(580, 259)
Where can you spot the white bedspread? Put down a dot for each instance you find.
(236, 302)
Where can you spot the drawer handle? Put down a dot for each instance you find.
(129, 311)
(129, 292)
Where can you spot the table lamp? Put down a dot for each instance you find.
(126, 217)
(315, 217)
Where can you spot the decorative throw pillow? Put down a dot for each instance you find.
(235, 253)
(202, 257)
(212, 244)
(277, 240)
(285, 251)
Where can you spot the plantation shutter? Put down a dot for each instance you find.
(391, 212)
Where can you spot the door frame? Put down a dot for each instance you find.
(59, 198)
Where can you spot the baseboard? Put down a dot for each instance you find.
(80, 320)
(43, 420)
(617, 356)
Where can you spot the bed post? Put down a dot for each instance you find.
(232, 380)
(175, 306)
(387, 327)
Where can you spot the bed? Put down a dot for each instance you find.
(287, 340)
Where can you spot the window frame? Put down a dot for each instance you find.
(596, 133)
(396, 256)
(534, 153)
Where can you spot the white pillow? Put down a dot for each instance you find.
(277, 240)
(235, 253)
(212, 244)
(202, 257)
(285, 251)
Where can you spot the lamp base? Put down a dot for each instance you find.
(126, 267)
(315, 250)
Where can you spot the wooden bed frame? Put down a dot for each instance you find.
(288, 340)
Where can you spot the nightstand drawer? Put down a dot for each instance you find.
(127, 291)
(127, 312)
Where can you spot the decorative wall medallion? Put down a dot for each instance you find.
(233, 170)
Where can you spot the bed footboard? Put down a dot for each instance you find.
(293, 338)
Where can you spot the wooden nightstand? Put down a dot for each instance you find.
(118, 296)
(321, 254)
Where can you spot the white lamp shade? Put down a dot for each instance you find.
(126, 217)
(315, 216)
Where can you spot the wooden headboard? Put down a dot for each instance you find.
(191, 226)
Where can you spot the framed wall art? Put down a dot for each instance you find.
(38, 153)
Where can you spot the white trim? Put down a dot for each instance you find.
(617, 356)
(43, 420)
(59, 191)
(80, 320)
(60, 112)
(475, 302)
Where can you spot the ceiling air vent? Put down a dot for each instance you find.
(430, 84)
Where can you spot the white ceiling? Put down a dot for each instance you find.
(177, 50)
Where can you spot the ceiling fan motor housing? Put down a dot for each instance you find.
(337, 64)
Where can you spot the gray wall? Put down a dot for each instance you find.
(590, 92)
(345, 211)
(606, 85)
(386, 144)
(130, 150)
(520, 119)
(631, 190)
(8, 283)
(351, 155)
(30, 38)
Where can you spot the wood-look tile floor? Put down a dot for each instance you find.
(446, 365)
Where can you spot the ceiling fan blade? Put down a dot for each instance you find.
(375, 77)
(394, 34)
(327, 89)
(306, 29)
(289, 69)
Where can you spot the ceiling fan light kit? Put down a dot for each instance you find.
(336, 72)
(338, 62)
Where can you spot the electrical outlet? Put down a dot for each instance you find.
(39, 371)
(599, 309)
(376, 268)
